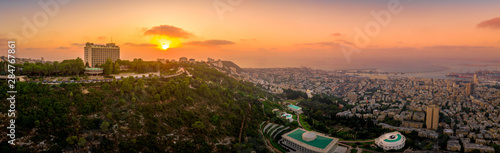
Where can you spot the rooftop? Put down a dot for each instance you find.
(294, 107)
(320, 141)
(93, 69)
(397, 138)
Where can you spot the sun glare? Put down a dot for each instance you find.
(165, 42)
(165, 46)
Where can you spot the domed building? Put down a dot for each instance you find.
(301, 140)
(391, 141)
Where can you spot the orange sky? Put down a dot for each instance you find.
(258, 33)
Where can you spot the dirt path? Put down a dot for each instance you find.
(243, 122)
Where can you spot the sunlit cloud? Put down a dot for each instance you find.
(101, 38)
(166, 36)
(493, 23)
(77, 44)
(214, 42)
(336, 34)
(35, 48)
(62, 47)
(319, 44)
(168, 30)
(253, 39)
(451, 47)
(139, 44)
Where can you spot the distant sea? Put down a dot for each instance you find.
(428, 69)
(439, 72)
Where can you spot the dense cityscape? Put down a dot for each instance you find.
(468, 108)
(235, 76)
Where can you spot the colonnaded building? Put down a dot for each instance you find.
(391, 141)
(300, 140)
(98, 54)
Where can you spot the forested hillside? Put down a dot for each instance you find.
(208, 112)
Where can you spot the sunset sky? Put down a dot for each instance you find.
(259, 33)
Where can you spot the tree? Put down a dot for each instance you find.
(104, 126)
(71, 140)
(215, 119)
(126, 87)
(157, 97)
(198, 126)
(78, 66)
(189, 99)
(107, 67)
(109, 115)
(318, 115)
(82, 141)
(37, 123)
(116, 68)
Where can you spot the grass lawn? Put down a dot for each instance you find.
(304, 124)
(275, 144)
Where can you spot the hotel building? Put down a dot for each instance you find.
(98, 54)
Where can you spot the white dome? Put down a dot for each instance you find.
(309, 136)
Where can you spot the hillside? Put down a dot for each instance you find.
(208, 112)
(230, 64)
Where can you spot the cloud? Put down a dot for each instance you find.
(451, 47)
(344, 42)
(168, 31)
(3, 41)
(335, 43)
(101, 37)
(213, 42)
(62, 48)
(320, 44)
(34, 48)
(336, 34)
(77, 44)
(139, 44)
(253, 39)
(493, 23)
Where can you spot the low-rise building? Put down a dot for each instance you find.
(453, 145)
(296, 109)
(93, 71)
(412, 124)
(391, 141)
(301, 140)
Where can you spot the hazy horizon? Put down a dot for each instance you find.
(413, 35)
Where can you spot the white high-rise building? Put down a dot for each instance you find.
(98, 54)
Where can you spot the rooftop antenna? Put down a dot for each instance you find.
(111, 39)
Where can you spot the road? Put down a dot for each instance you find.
(179, 72)
(298, 120)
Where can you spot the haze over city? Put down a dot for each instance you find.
(415, 36)
(279, 76)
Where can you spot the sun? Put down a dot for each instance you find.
(165, 42)
(165, 46)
